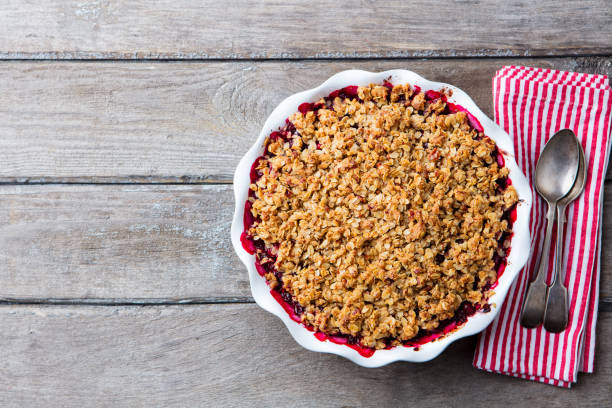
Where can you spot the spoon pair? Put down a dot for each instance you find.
(559, 178)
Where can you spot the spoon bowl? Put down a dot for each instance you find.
(557, 166)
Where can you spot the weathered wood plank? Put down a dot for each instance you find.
(156, 243)
(148, 244)
(238, 355)
(187, 29)
(103, 122)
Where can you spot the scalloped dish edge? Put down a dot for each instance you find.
(520, 240)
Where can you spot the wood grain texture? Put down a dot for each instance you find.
(154, 243)
(187, 29)
(144, 122)
(237, 356)
(146, 244)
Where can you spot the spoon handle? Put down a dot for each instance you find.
(535, 299)
(556, 315)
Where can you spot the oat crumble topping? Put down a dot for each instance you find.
(379, 211)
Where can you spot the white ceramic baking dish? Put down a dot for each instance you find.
(520, 241)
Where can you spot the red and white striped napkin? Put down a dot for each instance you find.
(531, 104)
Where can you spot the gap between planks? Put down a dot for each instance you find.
(49, 58)
(112, 180)
(605, 304)
(129, 301)
(129, 180)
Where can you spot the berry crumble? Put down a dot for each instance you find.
(380, 215)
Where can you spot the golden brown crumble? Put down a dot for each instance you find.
(384, 214)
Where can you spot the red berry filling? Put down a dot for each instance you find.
(265, 257)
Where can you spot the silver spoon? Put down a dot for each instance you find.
(556, 315)
(555, 175)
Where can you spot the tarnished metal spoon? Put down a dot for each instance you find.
(555, 175)
(556, 315)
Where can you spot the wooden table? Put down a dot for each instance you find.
(120, 127)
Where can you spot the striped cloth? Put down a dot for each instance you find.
(531, 104)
